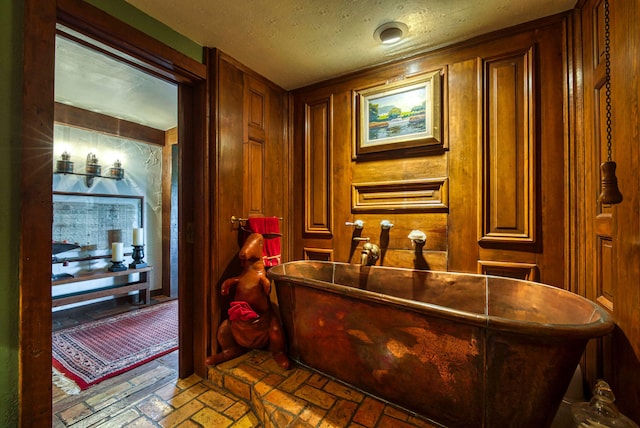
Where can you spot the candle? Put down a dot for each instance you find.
(138, 236)
(117, 252)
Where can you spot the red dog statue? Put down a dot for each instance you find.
(253, 322)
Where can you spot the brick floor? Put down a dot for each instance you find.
(303, 398)
(250, 391)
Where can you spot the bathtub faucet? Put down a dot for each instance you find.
(370, 254)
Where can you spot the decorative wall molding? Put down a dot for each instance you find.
(324, 254)
(318, 165)
(507, 150)
(526, 271)
(254, 134)
(426, 195)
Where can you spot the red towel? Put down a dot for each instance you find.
(269, 228)
(240, 310)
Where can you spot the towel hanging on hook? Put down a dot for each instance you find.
(269, 228)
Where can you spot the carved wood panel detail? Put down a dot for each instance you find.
(253, 177)
(526, 271)
(323, 254)
(604, 291)
(507, 161)
(426, 195)
(317, 173)
(255, 109)
(255, 99)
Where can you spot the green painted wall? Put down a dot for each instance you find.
(143, 22)
(11, 19)
(11, 12)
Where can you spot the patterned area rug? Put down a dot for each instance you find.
(90, 353)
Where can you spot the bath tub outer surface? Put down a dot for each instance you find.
(462, 350)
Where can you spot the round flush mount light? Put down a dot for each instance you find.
(390, 32)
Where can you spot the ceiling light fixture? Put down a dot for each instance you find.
(390, 32)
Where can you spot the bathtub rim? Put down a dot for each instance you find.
(601, 325)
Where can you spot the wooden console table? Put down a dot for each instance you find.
(142, 285)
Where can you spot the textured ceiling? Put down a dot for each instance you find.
(94, 81)
(291, 42)
(298, 42)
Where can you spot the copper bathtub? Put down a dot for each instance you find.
(462, 350)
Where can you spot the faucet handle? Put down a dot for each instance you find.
(417, 237)
(358, 224)
(386, 224)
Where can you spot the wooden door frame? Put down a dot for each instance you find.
(36, 164)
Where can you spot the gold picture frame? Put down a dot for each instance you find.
(402, 115)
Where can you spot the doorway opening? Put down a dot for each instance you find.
(115, 189)
(36, 165)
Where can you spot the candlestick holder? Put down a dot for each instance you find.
(117, 266)
(138, 255)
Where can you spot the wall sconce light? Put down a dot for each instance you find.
(390, 32)
(92, 169)
(117, 171)
(64, 164)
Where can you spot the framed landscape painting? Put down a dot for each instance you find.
(399, 115)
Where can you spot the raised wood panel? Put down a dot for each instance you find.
(253, 178)
(605, 261)
(255, 100)
(526, 271)
(323, 254)
(464, 128)
(427, 195)
(597, 34)
(318, 182)
(255, 109)
(508, 150)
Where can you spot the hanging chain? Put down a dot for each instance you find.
(607, 63)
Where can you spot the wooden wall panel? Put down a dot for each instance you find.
(604, 293)
(465, 124)
(253, 182)
(318, 172)
(252, 166)
(324, 254)
(508, 150)
(255, 101)
(530, 58)
(426, 195)
(255, 105)
(526, 271)
(609, 236)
